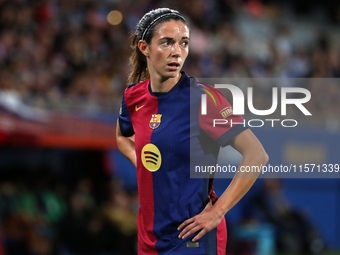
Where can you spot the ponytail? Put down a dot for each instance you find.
(138, 61)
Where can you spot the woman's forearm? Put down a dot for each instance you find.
(241, 182)
(254, 157)
(126, 145)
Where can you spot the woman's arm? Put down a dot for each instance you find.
(253, 155)
(126, 145)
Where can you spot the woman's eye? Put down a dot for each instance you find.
(184, 44)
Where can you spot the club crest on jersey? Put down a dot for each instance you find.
(155, 121)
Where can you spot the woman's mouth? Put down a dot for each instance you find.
(173, 66)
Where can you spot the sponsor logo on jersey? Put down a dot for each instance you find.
(155, 121)
(226, 112)
(151, 157)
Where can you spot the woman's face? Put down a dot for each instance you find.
(168, 49)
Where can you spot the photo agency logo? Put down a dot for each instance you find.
(239, 102)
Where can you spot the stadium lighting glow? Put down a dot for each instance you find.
(115, 17)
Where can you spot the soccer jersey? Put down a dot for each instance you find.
(166, 126)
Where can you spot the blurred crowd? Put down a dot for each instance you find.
(42, 216)
(271, 225)
(42, 220)
(65, 55)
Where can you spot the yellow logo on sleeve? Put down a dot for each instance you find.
(151, 157)
(226, 112)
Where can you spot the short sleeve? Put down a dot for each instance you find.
(219, 122)
(125, 120)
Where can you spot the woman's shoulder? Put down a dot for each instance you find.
(139, 84)
(195, 82)
(137, 87)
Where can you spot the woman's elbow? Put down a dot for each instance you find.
(258, 155)
(263, 157)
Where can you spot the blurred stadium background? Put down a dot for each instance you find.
(64, 187)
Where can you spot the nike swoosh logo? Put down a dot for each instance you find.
(138, 108)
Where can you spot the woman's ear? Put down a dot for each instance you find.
(143, 47)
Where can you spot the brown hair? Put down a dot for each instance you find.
(145, 30)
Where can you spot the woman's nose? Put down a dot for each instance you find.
(176, 50)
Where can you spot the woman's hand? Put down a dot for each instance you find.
(207, 220)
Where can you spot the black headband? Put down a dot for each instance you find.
(158, 18)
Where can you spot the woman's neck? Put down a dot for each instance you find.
(159, 84)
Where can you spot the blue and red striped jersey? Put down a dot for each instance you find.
(166, 126)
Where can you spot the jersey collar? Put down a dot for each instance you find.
(181, 81)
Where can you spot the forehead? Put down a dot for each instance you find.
(171, 29)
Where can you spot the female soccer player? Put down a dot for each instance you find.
(159, 125)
